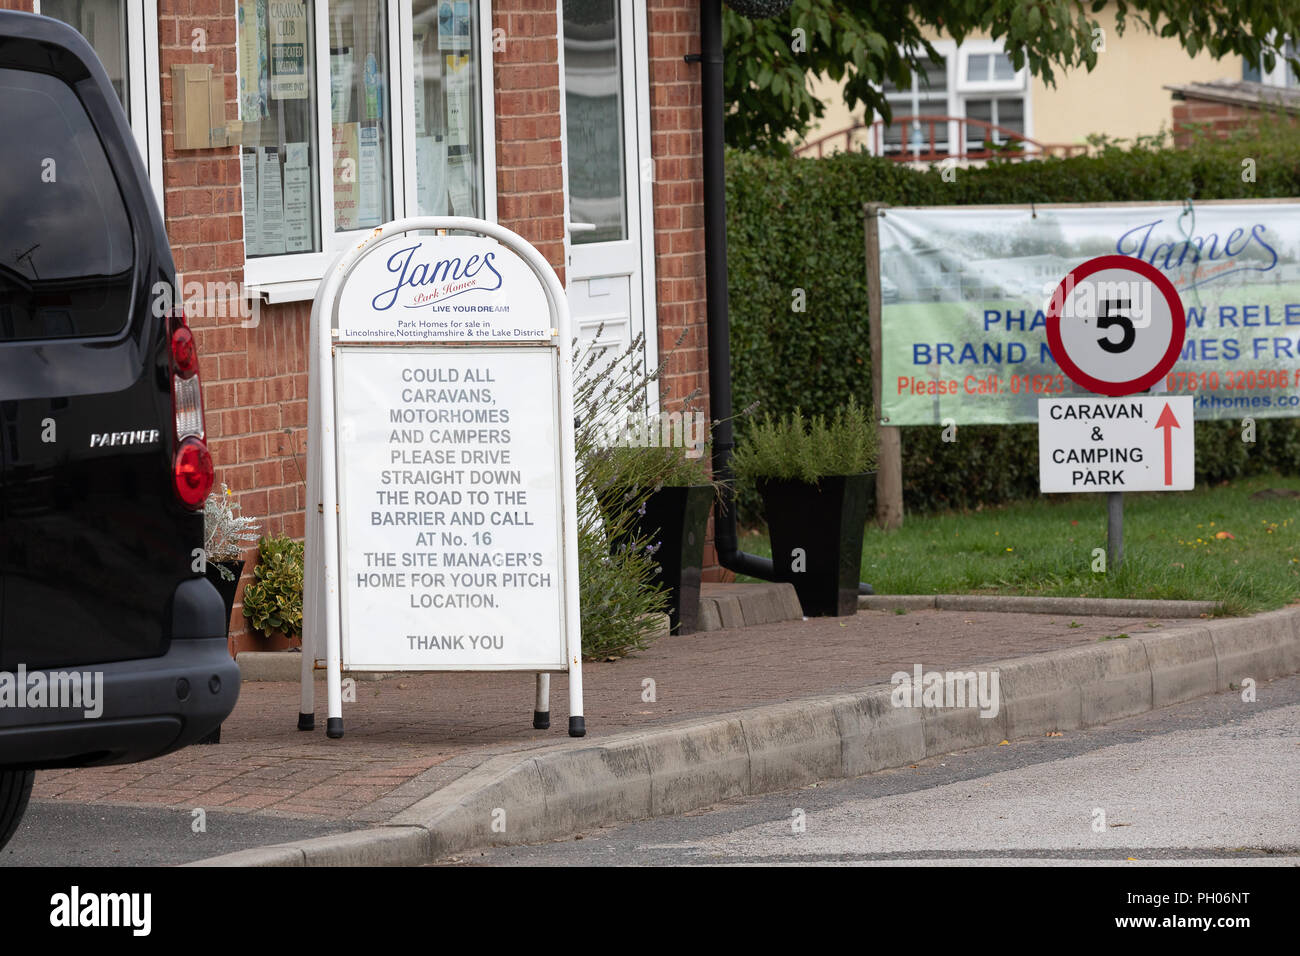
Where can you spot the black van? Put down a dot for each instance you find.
(112, 641)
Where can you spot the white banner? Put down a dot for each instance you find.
(965, 291)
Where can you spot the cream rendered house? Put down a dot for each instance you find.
(1123, 97)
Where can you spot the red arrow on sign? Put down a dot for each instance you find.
(1168, 422)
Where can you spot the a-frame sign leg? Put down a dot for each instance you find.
(542, 708)
(307, 703)
(577, 723)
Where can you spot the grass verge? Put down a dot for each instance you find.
(1236, 543)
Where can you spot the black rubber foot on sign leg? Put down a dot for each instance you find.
(541, 720)
(333, 727)
(306, 721)
(212, 737)
(577, 727)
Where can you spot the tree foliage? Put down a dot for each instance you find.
(770, 64)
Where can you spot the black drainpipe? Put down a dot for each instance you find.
(725, 537)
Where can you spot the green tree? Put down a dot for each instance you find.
(771, 63)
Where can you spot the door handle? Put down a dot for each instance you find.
(582, 227)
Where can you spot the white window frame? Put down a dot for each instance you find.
(1281, 75)
(295, 276)
(958, 90)
(970, 48)
(144, 85)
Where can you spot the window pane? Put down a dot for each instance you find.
(1011, 115)
(935, 76)
(103, 23)
(977, 67)
(1002, 68)
(975, 133)
(277, 103)
(67, 256)
(360, 114)
(449, 171)
(593, 103)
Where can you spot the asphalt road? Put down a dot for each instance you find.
(1212, 781)
(67, 834)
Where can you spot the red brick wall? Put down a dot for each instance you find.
(526, 77)
(255, 381)
(1221, 117)
(1191, 115)
(677, 145)
(24, 5)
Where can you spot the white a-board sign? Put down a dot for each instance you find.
(441, 465)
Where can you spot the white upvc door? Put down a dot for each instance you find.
(608, 173)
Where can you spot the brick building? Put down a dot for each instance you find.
(575, 123)
(1228, 105)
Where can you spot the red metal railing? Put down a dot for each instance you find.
(932, 145)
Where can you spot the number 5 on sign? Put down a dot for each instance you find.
(1115, 325)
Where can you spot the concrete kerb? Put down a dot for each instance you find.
(548, 794)
(1010, 603)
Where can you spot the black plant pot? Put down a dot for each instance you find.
(816, 532)
(227, 591)
(226, 588)
(676, 519)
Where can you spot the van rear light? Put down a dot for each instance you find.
(188, 403)
(187, 394)
(185, 354)
(193, 473)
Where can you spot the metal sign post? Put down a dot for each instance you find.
(442, 520)
(1115, 326)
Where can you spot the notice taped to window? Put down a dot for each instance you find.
(450, 507)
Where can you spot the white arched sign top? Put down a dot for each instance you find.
(442, 507)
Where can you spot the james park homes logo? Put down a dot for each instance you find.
(54, 690)
(957, 689)
(437, 281)
(1240, 250)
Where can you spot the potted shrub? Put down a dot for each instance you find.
(273, 601)
(226, 532)
(662, 496)
(817, 485)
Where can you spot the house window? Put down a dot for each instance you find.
(357, 112)
(103, 23)
(124, 35)
(927, 96)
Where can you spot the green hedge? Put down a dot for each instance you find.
(796, 224)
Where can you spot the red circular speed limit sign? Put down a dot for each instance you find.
(1115, 325)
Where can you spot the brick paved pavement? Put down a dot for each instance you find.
(406, 736)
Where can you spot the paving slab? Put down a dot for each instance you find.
(412, 735)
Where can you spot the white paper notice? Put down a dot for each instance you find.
(430, 186)
(458, 186)
(297, 199)
(418, 47)
(252, 222)
(288, 29)
(369, 174)
(271, 201)
(340, 85)
(450, 505)
(460, 108)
